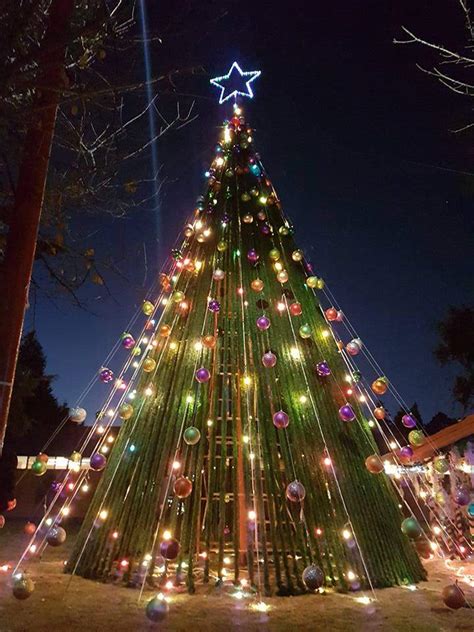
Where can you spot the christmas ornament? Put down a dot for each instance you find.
(136, 351)
(218, 274)
(263, 323)
(313, 577)
(261, 215)
(462, 496)
(128, 341)
(76, 457)
(312, 282)
(269, 360)
(295, 492)
(169, 549)
(354, 346)
(380, 386)
(178, 296)
(416, 438)
(441, 465)
(411, 528)
(409, 421)
(283, 230)
(188, 231)
(38, 468)
(265, 229)
(280, 419)
(282, 276)
(322, 369)
(222, 246)
(247, 218)
(346, 413)
(209, 341)
(182, 487)
(97, 462)
(125, 411)
(253, 256)
(202, 375)
(454, 597)
(147, 308)
(106, 375)
(29, 528)
(320, 284)
(157, 609)
(274, 254)
(149, 365)
(77, 415)
(297, 255)
(305, 331)
(331, 313)
(214, 306)
(42, 457)
(191, 435)
(23, 587)
(295, 309)
(257, 285)
(406, 453)
(56, 536)
(374, 464)
(379, 413)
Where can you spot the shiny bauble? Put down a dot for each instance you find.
(282, 276)
(283, 230)
(218, 274)
(297, 255)
(295, 492)
(331, 314)
(29, 528)
(253, 256)
(38, 468)
(247, 218)
(128, 341)
(295, 309)
(353, 347)
(222, 246)
(379, 413)
(356, 376)
(125, 411)
(257, 285)
(312, 282)
(411, 528)
(157, 609)
(202, 375)
(147, 308)
(374, 464)
(409, 421)
(149, 365)
(470, 510)
(406, 453)
(416, 438)
(77, 415)
(380, 386)
(323, 369)
(462, 496)
(320, 284)
(169, 549)
(23, 587)
(106, 375)
(305, 331)
(42, 457)
(178, 296)
(165, 331)
(188, 231)
(274, 254)
(136, 351)
(208, 341)
(454, 597)
(346, 413)
(265, 229)
(182, 487)
(262, 216)
(97, 462)
(191, 435)
(263, 323)
(441, 465)
(214, 306)
(280, 419)
(56, 536)
(245, 197)
(76, 457)
(313, 577)
(269, 360)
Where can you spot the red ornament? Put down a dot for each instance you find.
(331, 313)
(379, 413)
(182, 487)
(30, 528)
(295, 309)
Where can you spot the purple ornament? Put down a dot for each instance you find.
(280, 419)
(322, 369)
(409, 421)
(169, 549)
(214, 306)
(346, 413)
(202, 375)
(225, 218)
(55, 486)
(406, 452)
(106, 375)
(265, 229)
(263, 323)
(128, 341)
(253, 256)
(97, 462)
(269, 360)
(295, 492)
(462, 496)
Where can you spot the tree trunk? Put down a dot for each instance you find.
(15, 273)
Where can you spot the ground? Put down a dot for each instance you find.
(60, 604)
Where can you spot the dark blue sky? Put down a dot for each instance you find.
(357, 143)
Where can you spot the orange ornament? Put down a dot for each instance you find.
(380, 386)
(379, 413)
(257, 285)
(374, 464)
(30, 528)
(182, 487)
(209, 342)
(340, 345)
(42, 457)
(165, 331)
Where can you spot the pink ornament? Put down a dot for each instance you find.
(106, 375)
(269, 360)
(409, 421)
(280, 419)
(353, 347)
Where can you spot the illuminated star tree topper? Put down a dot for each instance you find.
(235, 82)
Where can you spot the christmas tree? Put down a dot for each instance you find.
(243, 453)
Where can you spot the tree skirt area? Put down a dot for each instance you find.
(61, 604)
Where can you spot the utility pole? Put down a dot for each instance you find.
(15, 272)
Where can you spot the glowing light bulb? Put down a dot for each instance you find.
(252, 456)
(226, 135)
(173, 346)
(226, 560)
(110, 412)
(209, 423)
(303, 399)
(110, 439)
(135, 364)
(325, 333)
(189, 399)
(436, 530)
(198, 346)
(115, 535)
(103, 515)
(281, 307)
(365, 601)
(371, 423)
(327, 461)
(295, 353)
(393, 445)
(169, 585)
(33, 548)
(261, 606)
(219, 161)
(49, 522)
(278, 266)
(85, 488)
(100, 430)
(237, 110)
(247, 380)
(351, 576)
(148, 391)
(206, 232)
(104, 449)
(252, 515)
(167, 535)
(346, 534)
(198, 225)
(319, 531)
(348, 378)
(124, 563)
(362, 398)
(198, 265)
(176, 465)
(164, 301)
(65, 511)
(245, 438)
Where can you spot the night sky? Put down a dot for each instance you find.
(357, 143)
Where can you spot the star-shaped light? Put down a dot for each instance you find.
(228, 82)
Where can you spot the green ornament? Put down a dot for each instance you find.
(356, 376)
(38, 468)
(136, 351)
(191, 435)
(411, 528)
(305, 331)
(274, 254)
(222, 246)
(416, 438)
(441, 465)
(177, 296)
